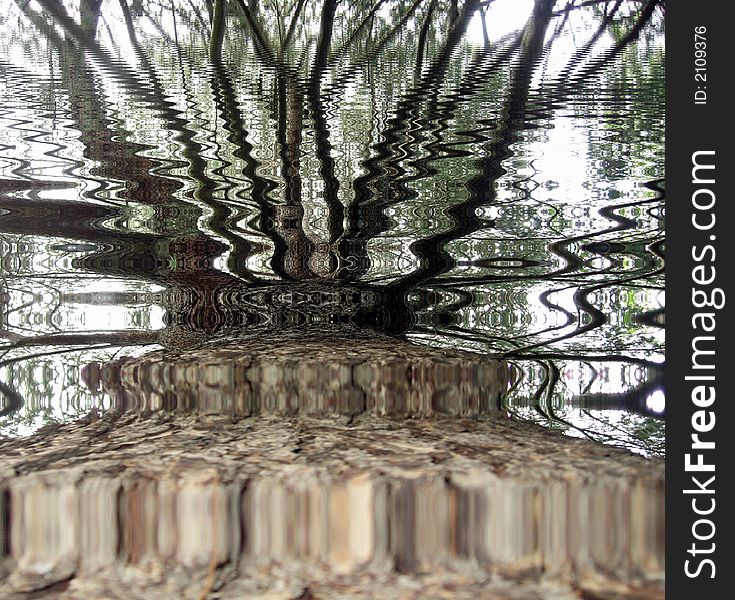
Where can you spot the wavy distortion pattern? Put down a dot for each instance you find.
(170, 176)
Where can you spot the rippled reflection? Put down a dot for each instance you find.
(184, 174)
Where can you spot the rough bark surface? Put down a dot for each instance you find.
(335, 465)
(338, 370)
(128, 506)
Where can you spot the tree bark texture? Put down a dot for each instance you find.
(273, 469)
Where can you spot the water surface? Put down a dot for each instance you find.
(492, 175)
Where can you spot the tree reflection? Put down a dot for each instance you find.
(240, 214)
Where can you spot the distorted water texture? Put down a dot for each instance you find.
(484, 180)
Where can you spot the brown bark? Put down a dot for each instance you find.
(126, 506)
(326, 486)
(323, 370)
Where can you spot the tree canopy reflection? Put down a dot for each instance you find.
(341, 151)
